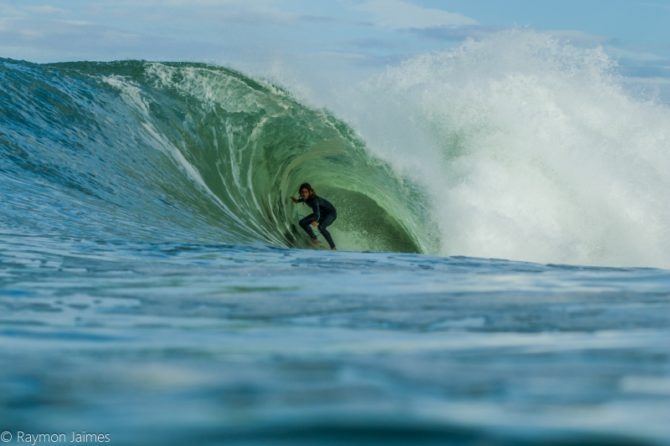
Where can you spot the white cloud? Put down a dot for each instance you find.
(236, 11)
(45, 10)
(576, 37)
(399, 14)
(637, 56)
(164, 29)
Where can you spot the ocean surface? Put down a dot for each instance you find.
(501, 277)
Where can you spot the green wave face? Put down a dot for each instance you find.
(190, 150)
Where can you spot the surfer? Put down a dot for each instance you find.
(323, 214)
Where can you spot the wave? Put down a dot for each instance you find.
(516, 146)
(155, 151)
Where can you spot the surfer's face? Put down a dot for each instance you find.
(305, 193)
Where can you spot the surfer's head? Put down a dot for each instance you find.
(305, 191)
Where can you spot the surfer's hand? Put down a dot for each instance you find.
(315, 223)
(294, 200)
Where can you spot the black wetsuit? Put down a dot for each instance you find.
(323, 212)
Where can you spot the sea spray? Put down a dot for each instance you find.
(529, 148)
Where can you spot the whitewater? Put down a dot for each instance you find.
(501, 275)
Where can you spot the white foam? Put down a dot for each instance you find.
(529, 149)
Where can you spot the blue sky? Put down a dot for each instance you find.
(261, 34)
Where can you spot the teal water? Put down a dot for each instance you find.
(155, 288)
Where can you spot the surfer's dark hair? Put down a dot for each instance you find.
(306, 186)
